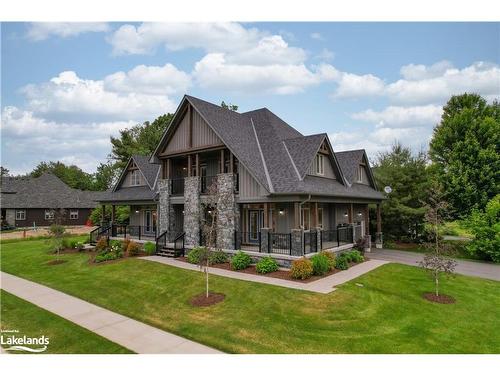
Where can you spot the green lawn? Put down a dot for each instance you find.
(64, 336)
(386, 315)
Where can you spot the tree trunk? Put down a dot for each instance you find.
(206, 272)
(437, 287)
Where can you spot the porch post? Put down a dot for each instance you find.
(103, 214)
(197, 165)
(367, 220)
(296, 212)
(190, 165)
(221, 170)
(113, 213)
(266, 215)
(351, 214)
(378, 236)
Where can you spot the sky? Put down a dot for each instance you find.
(67, 87)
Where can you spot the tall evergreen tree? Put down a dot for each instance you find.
(465, 149)
(407, 175)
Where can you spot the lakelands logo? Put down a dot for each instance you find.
(11, 340)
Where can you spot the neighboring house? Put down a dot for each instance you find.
(292, 194)
(40, 201)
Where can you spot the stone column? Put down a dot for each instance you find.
(297, 242)
(227, 211)
(192, 211)
(265, 246)
(164, 207)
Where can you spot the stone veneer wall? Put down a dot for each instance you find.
(227, 211)
(165, 211)
(192, 211)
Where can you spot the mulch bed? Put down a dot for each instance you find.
(442, 298)
(201, 300)
(56, 262)
(280, 274)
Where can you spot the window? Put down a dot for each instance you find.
(73, 214)
(135, 178)
(49, 214)
(320, 217)
(320, 167)
(360, 173)
(20, 214)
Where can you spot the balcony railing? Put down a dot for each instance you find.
(177, 186)
(133, 231)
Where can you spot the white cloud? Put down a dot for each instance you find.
(316, 36)
(325, 55)
(213, 71)
(211, 37)
(151, 80)
(440, 81)
(28, 140)
(42, 30)
(401, 117)
(68, 96)
(424, 84)
(355, 86)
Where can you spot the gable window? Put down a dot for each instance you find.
(320, 164)
(20, 214)
(135, 178)
(360, 173)
(49, 214)
(73, 214)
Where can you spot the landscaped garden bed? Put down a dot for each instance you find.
(223, 262)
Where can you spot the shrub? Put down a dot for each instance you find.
(125, 244)
(240, 261)
(102, 244)
(195, 254)
(133, 249)
(321, 264)
(107, 256)
(341, 262)
(80, 246)
(217, 257)
(301, 269)
(331, 258)
(266, 265)
(355, 256)
(150, 248)
(65, 243)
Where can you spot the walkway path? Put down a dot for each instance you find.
(324, 285)
(136, 336)
(464, 267)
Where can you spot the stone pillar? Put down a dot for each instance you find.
(192, 211)
(227, 211)
(164, 207)
(378, 235)
(265, 245)
(297, 242)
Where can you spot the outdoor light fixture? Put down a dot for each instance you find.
(136, 211)
(345, 214)
(359, 213)
(281, 212)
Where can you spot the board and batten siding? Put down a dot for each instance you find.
(202, 135)
(127, 180)
(329, 173)
(249, 187)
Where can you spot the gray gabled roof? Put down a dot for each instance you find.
(46, 191)
(349, 162)
(274, 153)
(149, 170)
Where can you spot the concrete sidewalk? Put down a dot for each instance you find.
(131, 334)
(324, 285)
(465, 267)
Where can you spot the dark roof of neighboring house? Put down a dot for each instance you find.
(275, 154)
(46, 191)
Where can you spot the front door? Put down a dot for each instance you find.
(255, 222)
(149, 221)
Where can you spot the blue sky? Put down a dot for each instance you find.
(67, 87)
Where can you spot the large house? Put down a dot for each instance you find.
(289, 194)
(44, 200)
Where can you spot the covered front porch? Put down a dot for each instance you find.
(301, 228)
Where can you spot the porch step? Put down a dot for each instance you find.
(167, 251)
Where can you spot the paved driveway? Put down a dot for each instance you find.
(464, 267)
